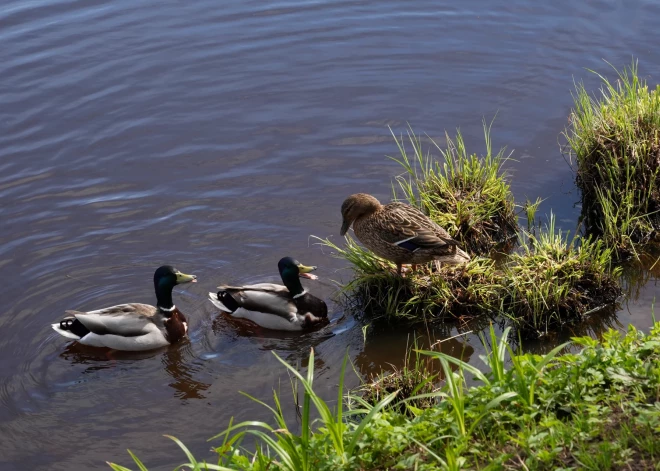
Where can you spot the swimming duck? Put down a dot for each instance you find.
(273, 306)
(399, 232)
(134, 326)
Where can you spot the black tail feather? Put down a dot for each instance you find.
(228, 300)
(74, 326)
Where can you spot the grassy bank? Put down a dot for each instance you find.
(615, 139)
(597, 409)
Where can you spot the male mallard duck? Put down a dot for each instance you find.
(399, 232)
(272, 306)
(132, 326)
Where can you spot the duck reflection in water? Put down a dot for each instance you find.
(293, 347)
(176, 360)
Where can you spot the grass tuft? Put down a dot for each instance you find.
(466, 194)
(615, 138)
(454, 293)
(551, 282)
(415, 383)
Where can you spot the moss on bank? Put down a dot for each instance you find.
(596, 409)
(615, 139)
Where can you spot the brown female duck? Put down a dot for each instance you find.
(133, 326)
(399, 232)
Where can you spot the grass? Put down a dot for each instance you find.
(596, 409)
(550, 283)
(454, 293)
(553, 281)
(615, 139)
(466, 194)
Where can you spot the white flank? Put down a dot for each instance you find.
(143, 342)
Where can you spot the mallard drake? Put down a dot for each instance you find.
(272, 306)
(133, 326)
(398, 232)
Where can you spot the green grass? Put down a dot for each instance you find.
(554, 281)
(596, 409)
(615, 139)
(550, 282)
(466, 194)
(456, 292)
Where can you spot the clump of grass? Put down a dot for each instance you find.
(595, 409)
(615, 138)
(553, 282)
(453, 293)
(466, 194)
(550, 283)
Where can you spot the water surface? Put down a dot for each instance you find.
(218, 137)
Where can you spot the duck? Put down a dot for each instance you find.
(399, 232)
(272, 306)
(132, 326)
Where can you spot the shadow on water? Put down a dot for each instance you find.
(637, 274)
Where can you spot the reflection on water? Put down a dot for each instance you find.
(389, 350)
(637, 275)
(179, 365)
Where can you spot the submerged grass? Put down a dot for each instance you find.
(598, 409)
(466, 194)
(615, 138)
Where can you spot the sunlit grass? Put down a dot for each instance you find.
(553, 281)
(615, 138)
(596, 409)
(467, 194)
(454, 292)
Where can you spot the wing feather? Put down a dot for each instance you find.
(265, 297)
(402, 223)
(124, 319)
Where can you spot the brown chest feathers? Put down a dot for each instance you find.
(176, 326)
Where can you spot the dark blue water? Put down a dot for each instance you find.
(218, 137)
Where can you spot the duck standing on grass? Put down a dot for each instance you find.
(134, 326)
(399, 232)
(272, 306)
